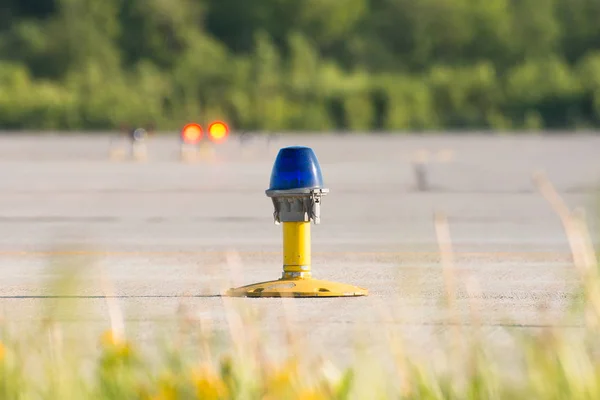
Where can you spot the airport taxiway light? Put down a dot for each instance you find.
(296, 189)
(191, 133)
(218, 131)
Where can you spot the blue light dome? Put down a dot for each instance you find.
(296, 167)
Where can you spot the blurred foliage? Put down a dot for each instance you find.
(195, 358)
(315, 65)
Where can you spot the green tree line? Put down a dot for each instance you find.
(308, 65)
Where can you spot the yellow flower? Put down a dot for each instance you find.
(208, 384)
(166, 393)
(115, 343)
(282, 381)
(310, 395)
(109, 338)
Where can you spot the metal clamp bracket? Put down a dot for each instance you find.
(301, 205)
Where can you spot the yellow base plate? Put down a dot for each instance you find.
(303, 287)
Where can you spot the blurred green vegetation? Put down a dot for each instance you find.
(313, 65)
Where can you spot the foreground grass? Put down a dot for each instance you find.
(548, 364)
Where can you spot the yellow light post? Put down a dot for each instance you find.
(296, 191)
(296, 249)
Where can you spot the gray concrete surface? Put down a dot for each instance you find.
(170, 237)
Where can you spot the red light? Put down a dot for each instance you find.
(191, 133)
(218, 131)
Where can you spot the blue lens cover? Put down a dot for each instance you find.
(296, 167)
